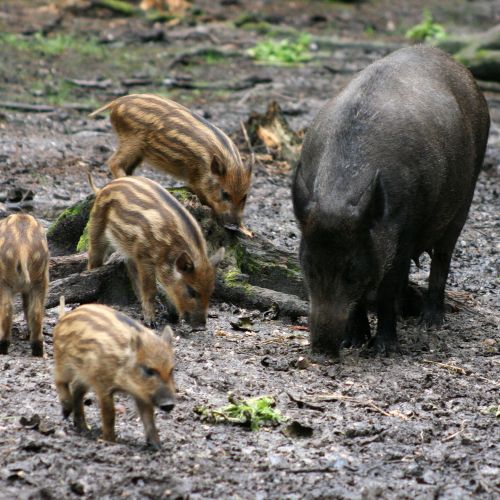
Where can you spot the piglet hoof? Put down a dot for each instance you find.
(37, 348)
(109, 437)
(153, 445)
(151, 323)
(4, 346)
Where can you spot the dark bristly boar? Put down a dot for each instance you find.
(180, 142)
(24, 269)
(97, 348)
(387, 172)
(161, 242)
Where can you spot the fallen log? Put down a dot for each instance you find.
(480, 53)
(254, 273)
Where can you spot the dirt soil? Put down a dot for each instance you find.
(418, 425)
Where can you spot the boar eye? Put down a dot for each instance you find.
(147, 371)
(192, 292)
(225, 196)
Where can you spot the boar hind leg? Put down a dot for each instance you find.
(440, 266)
(34, 307)
(146, 283)
(127, 157)
(358, 328)
(5, 319)
(146, 411)
(98, 244)
(107, 406)
(79, 391)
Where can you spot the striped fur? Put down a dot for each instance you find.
(161, 241)
(98, 348)
(24, 269)
(182, 143)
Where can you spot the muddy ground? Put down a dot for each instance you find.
(419, 425)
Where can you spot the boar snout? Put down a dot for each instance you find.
(328, 327)
(230, 219)
(197, 320)
(164, 400)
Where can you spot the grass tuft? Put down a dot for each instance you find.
(282, 52)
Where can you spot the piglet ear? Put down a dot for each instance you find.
(184, 263)
(167, 335)
(217, 257)
(135, 343)
(217, 167)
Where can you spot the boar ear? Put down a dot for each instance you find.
(301, 196)
(217, 167)
(217, 257)
(167, 335)
(184, 263)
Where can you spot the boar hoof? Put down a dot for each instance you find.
(379, 346)
(432, 317)
(4, 346)
(37, 348)
(356, 339)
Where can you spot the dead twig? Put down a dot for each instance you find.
(34, 108)
(249, 144)
(451, 436)
(367, 404)
(453, 368)
(461, 371)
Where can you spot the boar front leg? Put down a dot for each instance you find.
(146, 412)
(34, 308)
(146, 283)
(358, 328)
(107, 406)
(389, 291)
(5, 319)
(65, 397)
(79, 391)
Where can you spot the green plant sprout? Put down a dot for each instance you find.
(250, 412)
(427, 29)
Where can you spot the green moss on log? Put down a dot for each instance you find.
(65, 232)
(182, 194)
(83, 242)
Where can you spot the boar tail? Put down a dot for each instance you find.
(100, 110)
(62, 305)
(91, 182)
(22, 269)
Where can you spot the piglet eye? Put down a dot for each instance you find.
(147, 371)
(225, 196)
(192, 292)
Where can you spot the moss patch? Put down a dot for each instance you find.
(83, 242)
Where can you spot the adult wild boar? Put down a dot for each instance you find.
(387, 172)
